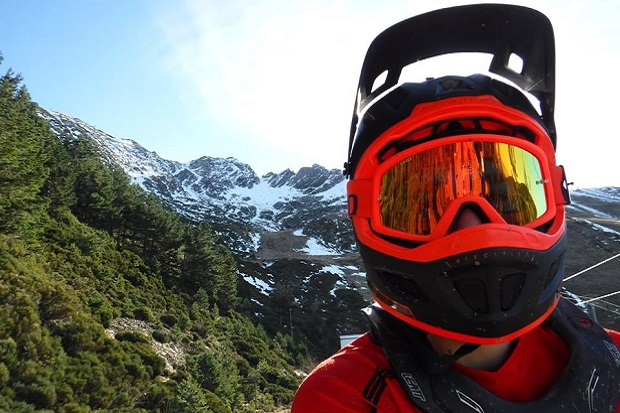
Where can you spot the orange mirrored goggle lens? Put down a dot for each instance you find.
(416, 191)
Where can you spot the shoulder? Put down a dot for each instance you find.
(350, 381)
(615, 336)
(337, 384)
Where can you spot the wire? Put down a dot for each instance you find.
(598, 298)
(608, 311)
(608, 305)
(594, 266)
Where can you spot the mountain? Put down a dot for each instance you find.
(225, 191)
(289, 231)
(109, 301)
(294, 244)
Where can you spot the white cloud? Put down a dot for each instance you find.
(284, 74)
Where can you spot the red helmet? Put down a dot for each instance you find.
(423, 153)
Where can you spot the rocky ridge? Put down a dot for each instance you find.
(293, 241)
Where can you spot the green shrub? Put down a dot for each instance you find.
(216, 405)
(144, 314)
(73, 407)
(152, 362)
(132, 337)
(41, 395)
(169, 320)
(4, 374)
(161, 336)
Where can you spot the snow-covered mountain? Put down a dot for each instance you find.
(228, 193)
(600, 207)
(293, 241)
(289, 232)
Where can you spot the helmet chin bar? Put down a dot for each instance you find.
(482, 297)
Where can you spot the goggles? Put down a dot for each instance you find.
(417, 192)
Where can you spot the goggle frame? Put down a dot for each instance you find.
(364, 188)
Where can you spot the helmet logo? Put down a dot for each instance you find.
(412, 385)
(477, 258)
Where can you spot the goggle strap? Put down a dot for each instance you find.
(561, 194)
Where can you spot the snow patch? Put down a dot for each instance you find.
(334, 269)
(598, 227)
(313, 247)
(260, 285)
(595, 212)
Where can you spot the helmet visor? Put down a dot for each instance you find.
(418, 185)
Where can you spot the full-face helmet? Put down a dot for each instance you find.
(423, 154)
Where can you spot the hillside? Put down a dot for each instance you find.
(111, 302)
(293, 242)
(131, 283)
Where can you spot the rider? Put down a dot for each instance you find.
(458, 208)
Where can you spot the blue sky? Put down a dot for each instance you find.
(272, 82)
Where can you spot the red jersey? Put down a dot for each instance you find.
(358, 379)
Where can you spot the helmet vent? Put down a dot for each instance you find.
(402, 288)
(396, 98)
(474, 293)
(510, 290)
(553, 271)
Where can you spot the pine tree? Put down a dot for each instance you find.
(58, 188)
(24, 144)
(93, 185)
(210, 266)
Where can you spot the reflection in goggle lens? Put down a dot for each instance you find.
(416, 191)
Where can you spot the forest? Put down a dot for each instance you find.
(83, 254)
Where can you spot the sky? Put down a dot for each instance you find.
(272, 82)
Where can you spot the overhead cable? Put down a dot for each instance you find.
(594, 266)
(599, 298)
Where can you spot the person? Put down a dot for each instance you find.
(458, 208)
